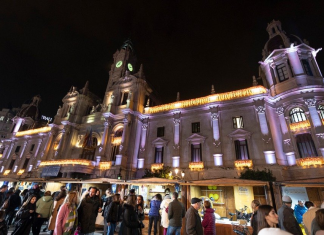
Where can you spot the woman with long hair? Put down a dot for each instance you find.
(154, 214)
(25, 216)
(209, 220)
(113, 214)
(267, 220)
(56, 207)
(66, 221)
(130, 224)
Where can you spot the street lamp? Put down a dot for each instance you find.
(176, 171)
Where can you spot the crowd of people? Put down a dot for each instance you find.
(68, 214)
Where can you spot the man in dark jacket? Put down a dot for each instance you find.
(13, 202)
(3, 190)
(254, 223)
(88, 211)
(287, 221)
(176, 212)
(193, 220)
(34, 191)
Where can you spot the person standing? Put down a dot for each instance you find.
(255, 206)
(309, 216)
(34, 191)
(139, 209)
(130, 224)
(44, 207)
(25, 216)
(287, 221)
(193, 221)
(299, 211)
(58, 201)
(3, 190)
(176, 212)
(209, 221)
(164, 215)
(67, 215)
(113, 214)
(154, 214)
(13, 202)
(88, 211)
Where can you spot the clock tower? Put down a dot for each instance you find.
(124, 60)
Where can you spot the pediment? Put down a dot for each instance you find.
(160, 142)
(240, 134)
(196, 138)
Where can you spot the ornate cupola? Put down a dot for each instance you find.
(287, 61)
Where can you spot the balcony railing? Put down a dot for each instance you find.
(105, 165)
(196, 166)
(310, 161)
(243, 163)
(299, 125)
(157, 166)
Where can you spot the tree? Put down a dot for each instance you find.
(161, 173)
(264, 175)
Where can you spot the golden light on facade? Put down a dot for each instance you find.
(33, 131)
(6, 172)
(105, 165)
(196, 166)
(299, 125)
(208, 99)
(1, 155)
(243, 163)
(20, 172)
(117, 140)
(310, 161)
(157, 166)
(67, 162)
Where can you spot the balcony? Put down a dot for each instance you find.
(243, 163)
(196, 166)
(105, 165)
(310, 161)
(157, 166)
(299, 125)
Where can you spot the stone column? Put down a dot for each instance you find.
(313, 112)
(19, 161)
(176, 155)
(19, 122)
(262, 120)
(218, 156)
(143, 137)
(6, 148)
(103, 147)
(295, 63)
(283, 124)
(61, 143)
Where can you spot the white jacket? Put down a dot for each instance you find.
(164, 216)
(272, 231)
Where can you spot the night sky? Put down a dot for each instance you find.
(48, 46)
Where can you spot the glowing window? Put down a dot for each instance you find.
(282, 72)
(158, 155)
(238, 122)
(297, 115)
(196, 153)
(321, 111)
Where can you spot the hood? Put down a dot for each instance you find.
(47, 198)
(209, 210)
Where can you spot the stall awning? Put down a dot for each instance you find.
(104, 181)
(318, 182)
(153, 180)
(32, 179)
(9, 179)
(226, 182)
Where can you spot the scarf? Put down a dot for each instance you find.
(71, 221)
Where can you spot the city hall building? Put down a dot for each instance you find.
(277, 124)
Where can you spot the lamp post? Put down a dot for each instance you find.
(176, 171)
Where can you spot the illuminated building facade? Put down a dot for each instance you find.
(270, 126)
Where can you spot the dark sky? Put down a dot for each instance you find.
(186, 46)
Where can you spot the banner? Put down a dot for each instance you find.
(296, 193)
(243, 196)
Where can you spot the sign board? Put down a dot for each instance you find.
(243, 196)
(296, 193)
(50, 171)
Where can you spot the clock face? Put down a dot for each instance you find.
(119, 63)
(130, 67)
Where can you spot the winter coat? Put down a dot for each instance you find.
(30, 192)
(155, 207)
(193, 222)
(254, 223)
(176, 212)
(52, 220)
(130, 224)
(87, 212)
(13, 202)
(2, 198)
(287, 221)
(299, 212)
(25, 220)
(165, 218)
(113, 212)
(44, 206)
(106, 206)
(62, 216)
(272, 231)
(209, 222)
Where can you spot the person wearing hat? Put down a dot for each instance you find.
(193, 220)
(287, 221)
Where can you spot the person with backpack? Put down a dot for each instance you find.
(14, 201)
(113, 214)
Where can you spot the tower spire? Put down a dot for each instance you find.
(212, 90)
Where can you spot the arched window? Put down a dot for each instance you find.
(116, 141)
(321, 111)
(297, 115)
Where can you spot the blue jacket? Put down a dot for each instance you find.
(155, 207)
(298, 212)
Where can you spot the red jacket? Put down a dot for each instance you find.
(209, 222)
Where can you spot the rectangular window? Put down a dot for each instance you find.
(17, 149)
(195, 127)
(282, 72)
(241, 150)
(114, 152)
(160, 131)
(238, 122)
(11, 164)
(158, 155)
(196, 153)
(32, 148)
(124, 97)
(25, 164)
(307, 67)
(306, 146)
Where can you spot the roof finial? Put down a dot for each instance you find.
(178, 96)
(254, 83)
(212, 90)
